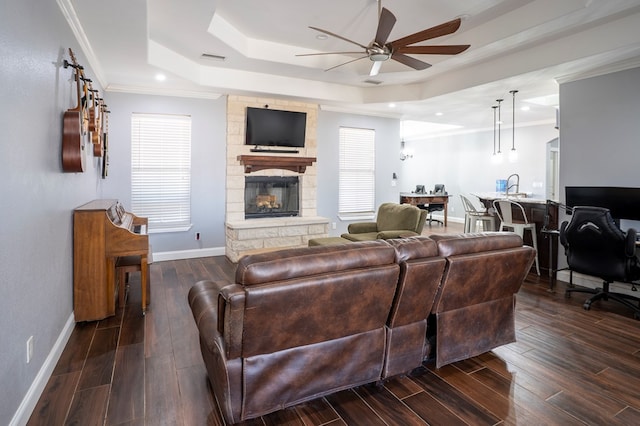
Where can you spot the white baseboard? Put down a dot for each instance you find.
(28, 404)
(188, 254)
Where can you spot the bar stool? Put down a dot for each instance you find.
(472, 217)
(126, 265)
(505, 214)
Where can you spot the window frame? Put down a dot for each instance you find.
(161, 170)
(356, 149)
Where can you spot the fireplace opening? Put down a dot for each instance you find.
(271, 196)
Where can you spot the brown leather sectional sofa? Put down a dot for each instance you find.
(301, 323)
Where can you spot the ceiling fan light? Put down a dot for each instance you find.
(379, 57)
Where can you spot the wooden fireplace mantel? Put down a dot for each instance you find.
(253, 163)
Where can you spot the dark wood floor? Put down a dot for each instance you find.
(568, 367)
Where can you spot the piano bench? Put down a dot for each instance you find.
(124, 266)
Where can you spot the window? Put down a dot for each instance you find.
(161, 170)
(356, 191)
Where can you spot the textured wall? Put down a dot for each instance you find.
(36, 232)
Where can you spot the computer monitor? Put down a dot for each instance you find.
(622, 202)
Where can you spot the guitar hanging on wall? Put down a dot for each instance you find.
(105, 141)
(96, 133)
(72, 143)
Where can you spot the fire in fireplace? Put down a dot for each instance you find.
(271, 196)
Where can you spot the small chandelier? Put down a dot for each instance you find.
(404, 153)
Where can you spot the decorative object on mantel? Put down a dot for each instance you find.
(254, 163)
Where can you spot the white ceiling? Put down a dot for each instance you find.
(524, 45)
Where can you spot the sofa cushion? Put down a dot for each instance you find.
(392, 216)
(415, 247)
(365, 236)
(455, 244)
(295, 263)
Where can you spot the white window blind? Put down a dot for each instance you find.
(161, 170)
(357, 171)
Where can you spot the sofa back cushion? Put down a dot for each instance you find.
(305, 296)
(392, 216)
(454, 244)
(420, 274)
(480, 268)
(307, 261)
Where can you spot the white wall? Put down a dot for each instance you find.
(463, 163)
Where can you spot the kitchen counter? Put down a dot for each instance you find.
(536, 211)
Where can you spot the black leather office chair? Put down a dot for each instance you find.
(438, 189)
(595, 246)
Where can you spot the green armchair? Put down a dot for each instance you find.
(393, 221)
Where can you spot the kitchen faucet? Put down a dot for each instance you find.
(516, 185)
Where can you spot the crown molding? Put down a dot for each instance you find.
(142, 90)
(72, 19)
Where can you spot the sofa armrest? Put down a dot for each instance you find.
(231, 304)
(362, 227)
(396, 233)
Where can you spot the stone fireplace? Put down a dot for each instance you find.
(271, 196)
(248, 228)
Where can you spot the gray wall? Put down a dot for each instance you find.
(208, 159)
(600, 132)
(387, 144)
(599, 136)
(37, 198)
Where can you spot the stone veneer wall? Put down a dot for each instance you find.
(253, 235)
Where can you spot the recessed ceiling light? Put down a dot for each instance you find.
(525, 108)
(439, 114)
(161, 77)
(392, 105)
(322, 36)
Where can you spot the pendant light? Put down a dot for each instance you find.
(499, 153)
(513, 154)
(494, 157)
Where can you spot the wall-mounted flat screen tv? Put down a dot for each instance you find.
(273, 127)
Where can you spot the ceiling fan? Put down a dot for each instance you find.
(379, 50)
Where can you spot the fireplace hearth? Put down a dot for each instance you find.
(271, 196)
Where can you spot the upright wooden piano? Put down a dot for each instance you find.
(102, 232)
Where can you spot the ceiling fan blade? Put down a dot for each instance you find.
(345, 63)
(414, 63)
(329, 53)
(453, 49)
(433, 32)
(375, 68)
(337, 36)
(385, 25)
